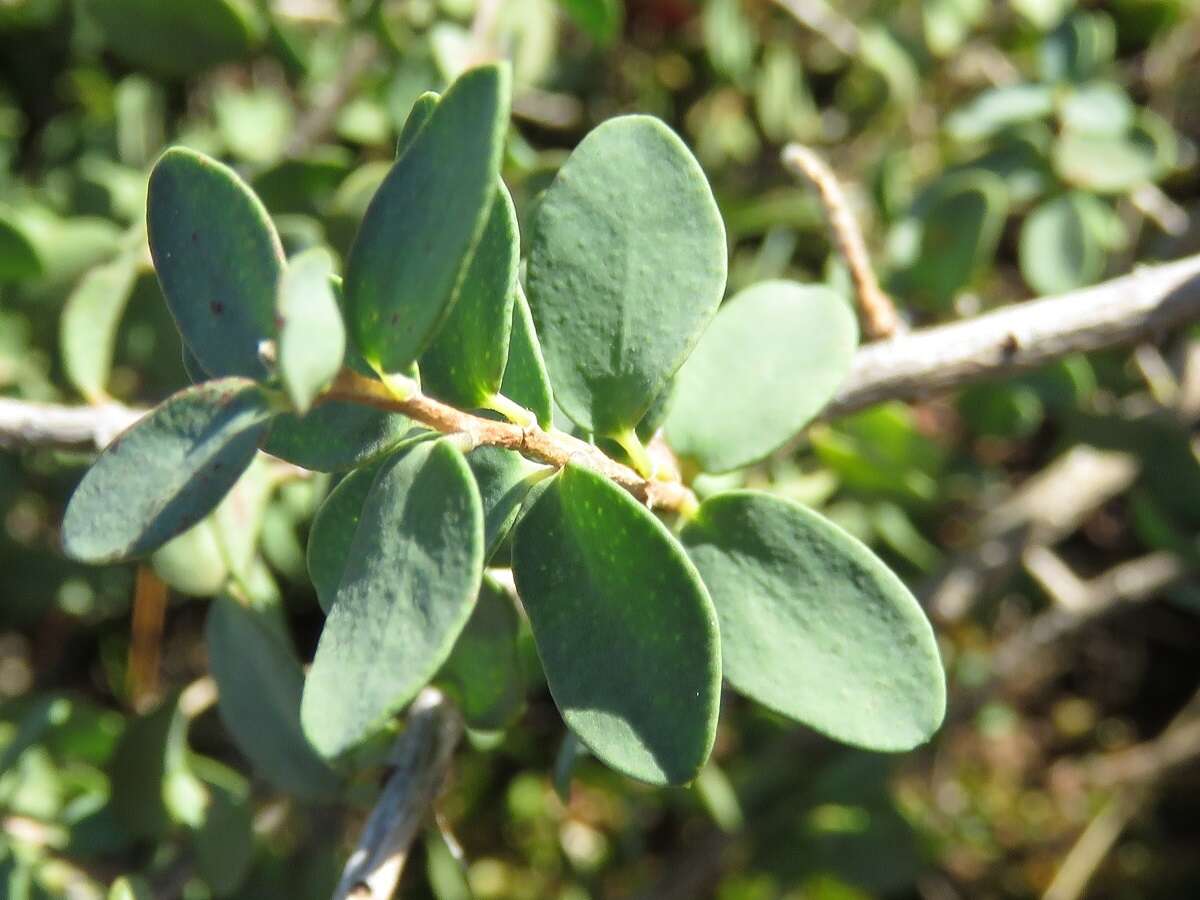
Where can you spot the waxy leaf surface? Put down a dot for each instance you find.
(814, 625)
(769, 362)
(624, 627)
(465, 363)
(409, 586)
(424, 222)
(627, 266)
(525, 379)
(166, 472)
(218, 260)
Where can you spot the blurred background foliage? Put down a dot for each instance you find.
(994, 151)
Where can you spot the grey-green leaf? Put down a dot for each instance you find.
(260, 681)
(218, 260)
(624, 627)
(483, 672)
(333, 528)
(88, 327)
(424, 221)
(166, 472)
(420, 113)
(465, 363)
(1059, 248)
(814, 625)
(414, 569)
(525, 379)
(627, 266)
(770, 361)
(502, 477)
(312, 338)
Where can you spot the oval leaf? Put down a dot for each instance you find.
(814, 625)
(525, 380)
(166, 472)
(414, 569)
(1059, 249)
(421, 112)
(465, 363)
(483, 672)
(771, 360)
(627, 266)
(218, 260)
(423, 223)
(260, 681)
(88, 327)
(333, 528)
(312, 339)
(624, 627)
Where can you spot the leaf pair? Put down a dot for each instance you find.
(625, 617)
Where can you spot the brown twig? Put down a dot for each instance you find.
(553, 447)
(875, 308)
(422, 758)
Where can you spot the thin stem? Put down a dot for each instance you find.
(633, 447)
(875, 309)
(552, 447)
(511, 410)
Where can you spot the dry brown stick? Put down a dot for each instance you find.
(422, 758)
(875, 308)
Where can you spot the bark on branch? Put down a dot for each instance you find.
(1142, 306)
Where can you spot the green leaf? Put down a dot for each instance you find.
(627, 266)
(19, 259)
(419, 232)
(421, 112)
(956, 226)
(1100, 107)
(525, 379)
(1115, 163)
(624, 627)
(312, 339)
(333, 528)
(218, 260)
(483, 672)
(414, 569)
(130, 887)
(88, 327)
(166, 472)
(502, 477)
(193, 563)
(151, 752)
(260, 681)
(464, 365)
(256, 124)
(1080, 47)
(999, 108)
(335, 436)
(1059, 249)
(769, 362)
(224, 841)
(177, 39)
(948, 23)
(601, 19)
(814, 625)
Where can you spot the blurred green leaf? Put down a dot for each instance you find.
(88, 327)
(312, 338)
(259, 683)
(769, 362)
